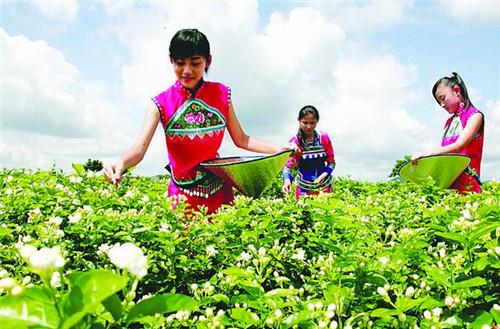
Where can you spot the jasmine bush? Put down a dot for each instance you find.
(370, 255)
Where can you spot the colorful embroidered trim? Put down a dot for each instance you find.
(195, 118)
(309, 186)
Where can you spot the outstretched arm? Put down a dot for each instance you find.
(247, 142)
(471, 129)
(136, 153)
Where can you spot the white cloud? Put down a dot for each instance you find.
(367, 114)
(473, 10)
(59, 10)
(364, 16)
(49, 113)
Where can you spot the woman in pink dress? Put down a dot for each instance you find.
(314, 158)
(463, 131)
(194, 114)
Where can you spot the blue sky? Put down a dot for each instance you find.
(77, 75)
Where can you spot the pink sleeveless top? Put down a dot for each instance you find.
(454, 127)
(194, 127)
(468, 181)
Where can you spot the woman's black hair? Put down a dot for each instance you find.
(453, 80)
(187, 43)
(308, 109)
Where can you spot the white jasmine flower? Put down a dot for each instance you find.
(300, 255)
(332, 307)
(26, 251)
(194, 287)
(87, 208)
(59, 233)
(437, 312)
(262, 251)
(164, 227)
(17, 290)
(103, 249)
(27, 238)
(278, 314)
(26, 280)
(75, 218)
(211, 251)
(4, 274)
(319, 305)
(245, 256)
(427, 315)
(384, 260)
(251, 247)
(334, 324)
(55, 220)
(382, 291)
(55, 280)
(129, 194)
(7, 283)
(46, 259)
(409, 291)
(130, 257)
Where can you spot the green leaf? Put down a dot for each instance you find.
(485, 319)
(430, 303)
(114, 306)
(381, 312)
(160, 304)
(238, 273)
(453, 237)
(482, 230)
(87, 290)
(253, 288)
(32, 309)
(279, 293)
(453, 321)
(496, 314)
(474, 282)
(405, 303)
(78, 168)
(244, 316)
(5, 231)
(438, 275)
(297, 318)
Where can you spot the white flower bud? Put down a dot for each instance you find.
(17, 290)
(382, 291)
(409, 291)
(7, 283)
(427, 315)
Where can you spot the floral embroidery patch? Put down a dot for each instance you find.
(195, 118)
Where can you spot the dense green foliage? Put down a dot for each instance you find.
(370, 255)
